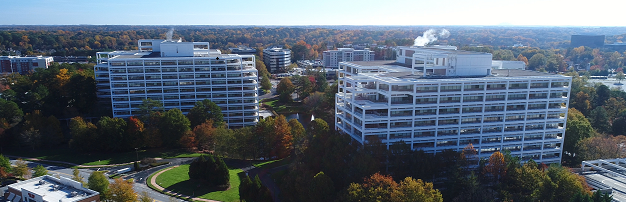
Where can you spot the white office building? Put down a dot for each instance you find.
(276, 59)
(448, 99)
(332, 58)
(50, 189)
(23, 65)
(179, 74)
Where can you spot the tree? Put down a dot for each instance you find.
(205, 110)
(614, 106)
(5, 163)
(76, 176)
(149, 106)
(205, 135)
(321, 188)
(21, 169)
(10, 112)
(601, 148)
(298, 136)
(145, 197)
(265, 83)
(599, 119)
(283, 139)
(497, 166)
(520, 57)
(134, 132)
(285, 86)
(603, 94)
(112, 133)
(620, 76)
(410, 189)
(577, 129)
(314, 102)
(537, 61)
(97, 181)
(83, 134)
(39, 171)
(122, 191)
(173, 125)
(304, 87)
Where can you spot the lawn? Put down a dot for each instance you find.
(72, 156)
(177, 180)
(282, 107)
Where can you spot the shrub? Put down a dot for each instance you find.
(147, 161)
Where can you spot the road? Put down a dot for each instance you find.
(140, 178)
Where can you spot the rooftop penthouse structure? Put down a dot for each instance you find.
(447, 99)
(179, 74)
(50, 189)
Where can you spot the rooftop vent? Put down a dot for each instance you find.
(42, 182)
(74, 194)
(55, 187)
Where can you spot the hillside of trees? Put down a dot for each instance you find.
(87, 39)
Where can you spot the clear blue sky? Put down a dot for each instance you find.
(316, 12)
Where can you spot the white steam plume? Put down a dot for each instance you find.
(169, 34)
(430, 36)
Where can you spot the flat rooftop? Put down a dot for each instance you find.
(401, 71)
(45, 186)
(136, 55)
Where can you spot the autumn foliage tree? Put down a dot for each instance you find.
(380, 187)
(497, 166)
(122, 190)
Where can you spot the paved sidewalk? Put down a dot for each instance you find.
(159, 188)
(73, 164)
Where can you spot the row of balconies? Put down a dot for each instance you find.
(458, 88)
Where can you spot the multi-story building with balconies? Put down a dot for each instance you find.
(458, 101)
(332, 58)
(23, 65)
(179, 74)
(276, 59)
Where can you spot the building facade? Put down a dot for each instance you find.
(23, 65)
(243, 50)
(276, 59)
(179, 74)
(332, 58)
(520, 111)
(50, 189)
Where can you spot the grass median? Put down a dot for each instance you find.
(177, 180)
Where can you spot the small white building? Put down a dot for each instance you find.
(50, 189)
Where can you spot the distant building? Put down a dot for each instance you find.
(332, 58)
(501, 64)
(50, 189)
(71, 59)
(243, 50)
(23, 65)
(276, 59)
(447, 99)
(619, 47)
(593, 41)
(179, 74)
